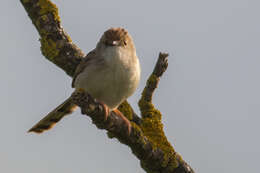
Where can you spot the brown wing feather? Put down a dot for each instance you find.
(84, 63)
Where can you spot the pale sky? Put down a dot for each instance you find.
(209, 96)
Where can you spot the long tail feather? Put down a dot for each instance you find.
(54, 116)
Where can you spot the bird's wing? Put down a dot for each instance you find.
(86, 61)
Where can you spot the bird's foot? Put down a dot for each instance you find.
(126, 121)
(105, 108)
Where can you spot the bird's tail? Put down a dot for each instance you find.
(54, 116)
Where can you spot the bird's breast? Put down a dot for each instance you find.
(115, 81)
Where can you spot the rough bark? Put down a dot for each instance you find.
(146, 140)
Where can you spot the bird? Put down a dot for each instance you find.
(110, 73)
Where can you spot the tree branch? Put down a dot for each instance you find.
(56, 45)
(147, 139)
(152, 82)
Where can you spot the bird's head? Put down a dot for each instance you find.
(116, 37)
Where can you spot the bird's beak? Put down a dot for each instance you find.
(115, 43)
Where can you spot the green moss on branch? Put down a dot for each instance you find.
(152, 125)
(46, 7)
(56, 45)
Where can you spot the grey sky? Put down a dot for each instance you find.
(209, 96)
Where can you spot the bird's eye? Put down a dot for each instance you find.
(106, 42)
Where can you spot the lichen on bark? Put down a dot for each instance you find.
(56, 45)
